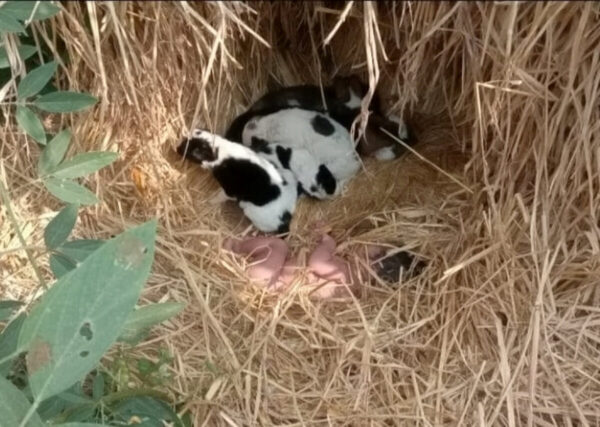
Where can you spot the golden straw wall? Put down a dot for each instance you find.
(501, 197)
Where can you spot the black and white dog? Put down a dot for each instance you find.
(267, 195)
(317, 150)
(341, 101)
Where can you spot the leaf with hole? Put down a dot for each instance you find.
(9, 24)
(65, 102)
(7, 308)
(83, 164)
(9, 339)
(35, 80)
(25, 52)
(77, 320)
(142, 319)
(69, 191)
(14, 406)
(31, 124)
(22, 9)
(59, 228)
(54, 152)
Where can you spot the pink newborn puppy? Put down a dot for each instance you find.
(278, 274)
(271, 252)
(326, 265)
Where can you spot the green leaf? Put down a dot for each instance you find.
(81, 315)
(49, 88)
(80, 415)
(70, 254)
(98, 386)
(79, 250)
(9, 339)
(61, 265)
(56, 405)
(83, 164)
(65, 102)
(60, 227)
(14, 406)
(151, 411)
(146, 366)
(31, 124)
(9, 24)
(52, 407)
(7, 308)
(186, 420)
(83, 424)
(35, 80)
(25, 51)
(54, 152)
(142, 319)
(69, 191)
(22, 10)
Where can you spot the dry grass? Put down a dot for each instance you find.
(502, 328)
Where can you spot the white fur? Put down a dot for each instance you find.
(402, 129)
(305, 169)
(385, 153)
(266, 218)
(354, 101)
(292, 128)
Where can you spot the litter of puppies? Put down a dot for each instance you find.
(293, 142)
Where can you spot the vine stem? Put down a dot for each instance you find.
(15, 224)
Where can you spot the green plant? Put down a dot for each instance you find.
(46, 356)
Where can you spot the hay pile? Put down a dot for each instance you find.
(502, 328)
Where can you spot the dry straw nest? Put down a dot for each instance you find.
(500, 196)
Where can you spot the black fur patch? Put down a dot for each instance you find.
(260, 145)
(322, 125)
(284, 155)
(246, 181)
(313, 188)
(300, 189)
(326, 179)
(197, 150)
(236, 128)
(286, 219)
(389, 268)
